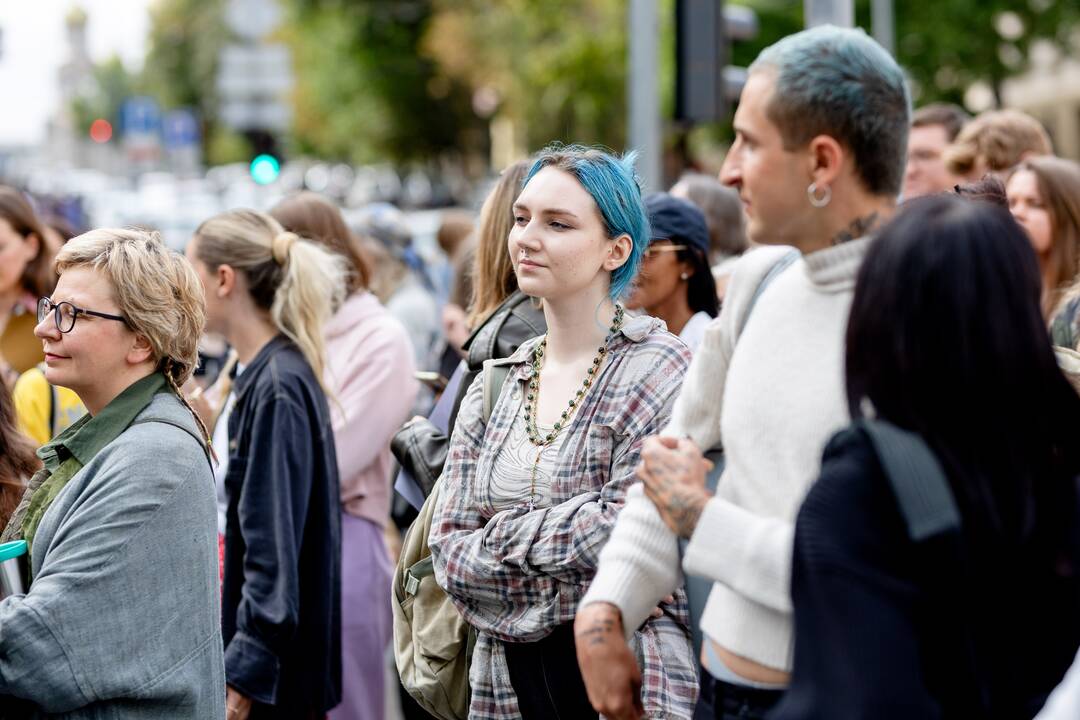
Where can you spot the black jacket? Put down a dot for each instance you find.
(420, 447)
(281, 599)
(887, 627)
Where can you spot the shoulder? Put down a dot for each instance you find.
(750, 269)
(31, 383)
(651, 347)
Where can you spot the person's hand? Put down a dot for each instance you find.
(658, 611)
(612, 677)
(673, 471)
(237, 705)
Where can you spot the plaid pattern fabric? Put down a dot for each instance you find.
(515, 574)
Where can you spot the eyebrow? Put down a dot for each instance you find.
(549, 211)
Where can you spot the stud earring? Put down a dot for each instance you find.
(685, 276)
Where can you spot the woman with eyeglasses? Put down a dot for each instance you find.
(675, 283)
(270, 294)
(121, 617)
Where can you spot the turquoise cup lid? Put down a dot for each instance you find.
(12, 549)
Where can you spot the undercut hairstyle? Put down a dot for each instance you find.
(156, 291)
(947, 305)
(998, 140)
(614, 187)
(312, 216)
(839, 82)
(493, 278)
(38, 277)
(949, 116)
(299, 282)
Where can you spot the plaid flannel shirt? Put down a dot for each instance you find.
(516, 574)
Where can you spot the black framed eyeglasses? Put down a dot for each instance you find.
(65, 314)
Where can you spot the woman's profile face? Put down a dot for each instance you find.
(16, 252)
(214, 305)
(95, 349)
(1028, 207)
(660, 278)
(558, 244)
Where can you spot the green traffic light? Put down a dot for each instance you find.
(265, 169)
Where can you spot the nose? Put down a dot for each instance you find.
(730, 171)
(46, 329)
(526, 237)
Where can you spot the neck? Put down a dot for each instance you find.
(674, 310)
(848, 218)
(95, 398)
(8, 300)
(250, 336)
(577, 326)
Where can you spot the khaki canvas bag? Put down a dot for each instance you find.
(432, 642)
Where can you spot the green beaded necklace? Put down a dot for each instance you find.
(532, 397)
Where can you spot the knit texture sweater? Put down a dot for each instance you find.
(774, 403)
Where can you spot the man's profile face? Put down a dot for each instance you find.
(926, 173)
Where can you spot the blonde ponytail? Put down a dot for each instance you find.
(297, 281)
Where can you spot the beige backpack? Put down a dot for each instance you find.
(432, 642)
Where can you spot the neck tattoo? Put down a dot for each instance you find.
(857, 229)
(532, 398)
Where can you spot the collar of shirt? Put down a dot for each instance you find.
(253, 369)
(84, 439)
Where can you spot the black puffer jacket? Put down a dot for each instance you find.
(419, 446)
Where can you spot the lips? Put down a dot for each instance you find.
(529, 264)
(52, 357)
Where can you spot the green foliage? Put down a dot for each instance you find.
(113, 84)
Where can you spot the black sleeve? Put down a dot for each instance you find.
(854, 593)
(421, 447)
(272, 508)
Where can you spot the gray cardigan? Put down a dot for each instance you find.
(123, 617)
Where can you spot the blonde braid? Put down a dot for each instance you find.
(180, 395)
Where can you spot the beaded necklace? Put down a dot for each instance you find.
(532, 398)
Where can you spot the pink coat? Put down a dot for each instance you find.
(370, 370)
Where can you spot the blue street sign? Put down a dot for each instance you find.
(180, 129)
(140, 115)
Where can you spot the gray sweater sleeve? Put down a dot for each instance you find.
(124, 601)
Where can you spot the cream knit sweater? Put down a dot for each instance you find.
(775, 403)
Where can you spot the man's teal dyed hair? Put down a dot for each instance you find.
(614, 187)
(838, 82)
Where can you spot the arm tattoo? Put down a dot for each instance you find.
(857, 229)
(598, 633)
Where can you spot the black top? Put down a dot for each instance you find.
(281, 600)
(889, 628)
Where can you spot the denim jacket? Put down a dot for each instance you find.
(281, 617)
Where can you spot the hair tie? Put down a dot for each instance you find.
(281, 246)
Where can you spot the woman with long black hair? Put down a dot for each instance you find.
(974, 617)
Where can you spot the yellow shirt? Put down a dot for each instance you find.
(44, 410)
(18, 345)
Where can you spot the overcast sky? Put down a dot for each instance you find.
(34, 46)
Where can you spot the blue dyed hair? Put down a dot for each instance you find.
(838, 82)
(614, 187)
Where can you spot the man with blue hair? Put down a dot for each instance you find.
(818, 160)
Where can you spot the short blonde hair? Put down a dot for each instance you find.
(999, 139)
(156, 290)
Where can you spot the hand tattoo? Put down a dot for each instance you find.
(679, 502)
(857, 229)
(599, 632)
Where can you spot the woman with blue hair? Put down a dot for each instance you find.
(535, 478)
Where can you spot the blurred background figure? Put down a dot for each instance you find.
(26, 274)
(933, 128)
(458, 243)
(995, 142)
(17, 459)
(956, 600)
(401, 282)
(1044, 197)
(724, 218)
(674, 282)
(369, 374)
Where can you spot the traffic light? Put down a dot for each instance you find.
(706, 85)
(266, 163)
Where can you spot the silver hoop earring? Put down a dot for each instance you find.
(819, 202)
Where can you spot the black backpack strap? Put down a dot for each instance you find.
(917, 479)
